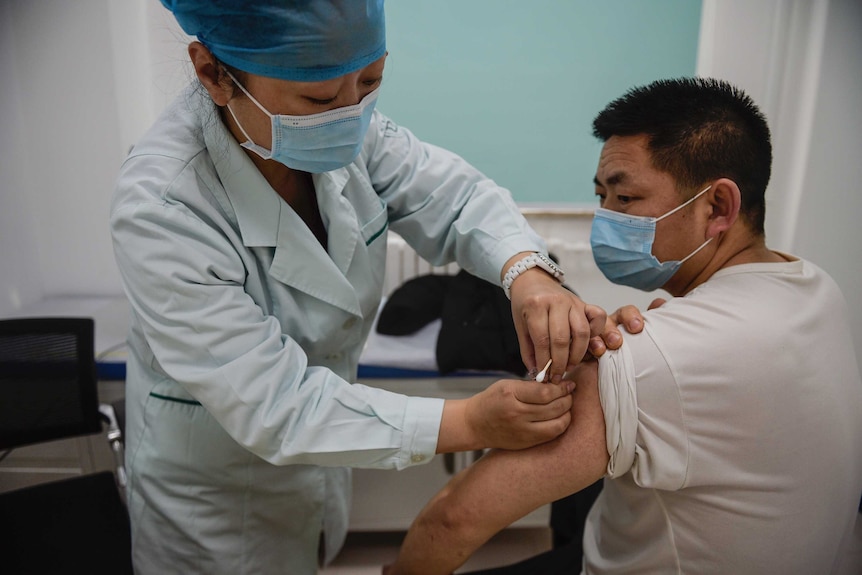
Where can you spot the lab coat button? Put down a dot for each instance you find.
(333, 356)
(418, 458)
(349, 323)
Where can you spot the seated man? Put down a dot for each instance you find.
(728, 432)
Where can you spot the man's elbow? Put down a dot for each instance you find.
(455, 524)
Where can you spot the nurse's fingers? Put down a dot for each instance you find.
(561, 331)
(585, 322)
(604, 333)
(506, 414)
(628, 316)
(542, 431)
(533, 340)
(562, 336)
(532, 393)
(528, 355)
(541, 421)
(550, 411)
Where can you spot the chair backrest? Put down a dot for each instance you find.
(75, 525)
(47, 380)
(48, 391)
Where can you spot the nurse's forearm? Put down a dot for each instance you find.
(456, 434)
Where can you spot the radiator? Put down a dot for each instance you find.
(402, 264)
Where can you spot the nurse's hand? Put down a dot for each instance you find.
(627, 316)
(552, 322)
(509, 414)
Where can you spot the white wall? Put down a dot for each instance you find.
(828, 227)
(20, 276)
(801, 61)
(60, 152)
(80, 85)
(82, 80)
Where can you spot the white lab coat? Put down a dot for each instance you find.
(246, 333)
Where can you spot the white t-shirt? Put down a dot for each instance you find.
(734, 425)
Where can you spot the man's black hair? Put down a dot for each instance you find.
(699, 129)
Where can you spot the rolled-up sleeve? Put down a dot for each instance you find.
(644, 414)
(619, 397)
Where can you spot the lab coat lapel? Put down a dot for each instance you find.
(300, 261)
(338, 216)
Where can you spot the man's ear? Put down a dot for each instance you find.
(725, 201)
(208, 71)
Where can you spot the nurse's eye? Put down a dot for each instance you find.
(373, 82)
(321, 102)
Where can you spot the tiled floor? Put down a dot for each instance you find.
(366, 553)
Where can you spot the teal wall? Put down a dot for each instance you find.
(513, 86)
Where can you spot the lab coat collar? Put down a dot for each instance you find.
(253, 200)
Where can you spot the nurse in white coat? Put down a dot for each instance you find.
(249, 225)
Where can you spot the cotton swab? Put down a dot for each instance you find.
(540, 377)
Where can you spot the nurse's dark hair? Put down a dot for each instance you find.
(223, 77)
(699, 130)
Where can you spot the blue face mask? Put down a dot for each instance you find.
(622, 248)
(317, 143)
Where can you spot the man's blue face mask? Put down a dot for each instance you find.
(316, 143)
(622, 248)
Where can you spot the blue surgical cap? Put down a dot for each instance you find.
(301, 40)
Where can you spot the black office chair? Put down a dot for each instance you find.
(48, 392)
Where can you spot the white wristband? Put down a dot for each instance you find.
(533, 260)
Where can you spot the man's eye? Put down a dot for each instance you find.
(624, 199)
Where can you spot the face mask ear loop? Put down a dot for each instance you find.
(686, 258)
(241, 129)
(678, 208)
(250, 145)
(246, 92)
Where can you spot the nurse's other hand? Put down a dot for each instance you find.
(552, 322)
(628, 316)
(515, 414)
(509, 414)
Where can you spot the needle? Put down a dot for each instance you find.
(540, 377)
